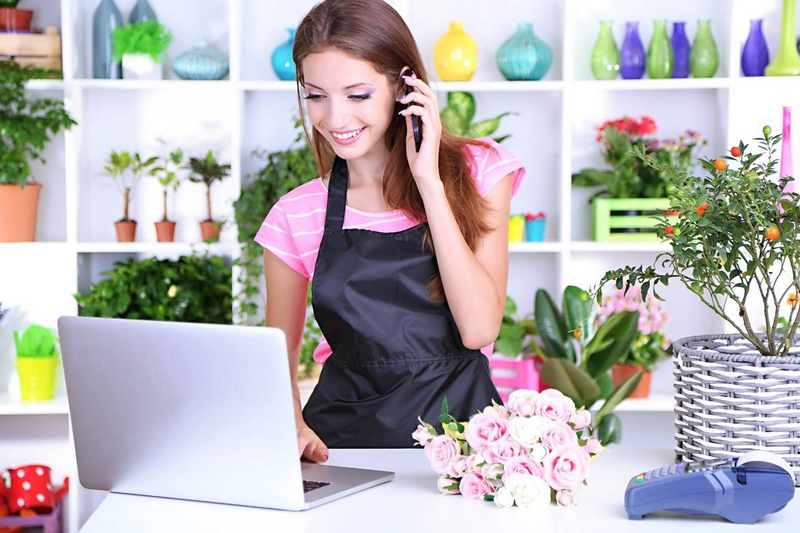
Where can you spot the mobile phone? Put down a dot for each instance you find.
(414, 118)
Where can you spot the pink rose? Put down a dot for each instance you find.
(500, 411)
(523, 402)
(592, 446)
(422, 435)
(485, 429)
(440, 451)
(474, 463)
(565, 498)
(554, 405)
(522, 465)
(447, 485)
(492, 472)
(458, 466)
(557, 434)
(581, 419)
(566, 467)
(474, 487)
(501, 451)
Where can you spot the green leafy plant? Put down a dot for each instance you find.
(147, 37)
(514, 331)
(207, 170)
(628, 177)
(192, 289)
(126, 171)
(9, 3)
(166, 173)
(26, 125)
(577, 363)
(736, 235)
(37, 341)
(458, 114)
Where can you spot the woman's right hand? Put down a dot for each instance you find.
(310, 445)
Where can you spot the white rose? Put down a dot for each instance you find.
(528, 490)
(527, 431)
(538, 452)
(503, 498)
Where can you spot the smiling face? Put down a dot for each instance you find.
(348, 102)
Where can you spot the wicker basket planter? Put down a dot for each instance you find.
(730, 400)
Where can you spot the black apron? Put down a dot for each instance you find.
(396, 354)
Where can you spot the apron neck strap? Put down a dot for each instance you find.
(337, 195)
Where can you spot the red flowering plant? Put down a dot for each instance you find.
(628, 176)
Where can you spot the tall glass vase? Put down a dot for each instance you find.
(605, 54)
(787, 60)
(755, 54)
(632, 55)
(704, 58)
(106, 18)
(786, 147)
(660, 59)
(141, 12)
(680, 49)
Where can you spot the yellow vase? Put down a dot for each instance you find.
(456, 54)
(37, 378)
(516, 228)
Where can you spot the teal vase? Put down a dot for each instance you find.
(200, 63)
(605, 54)
(524, 56)
(282, 62)
(704, 58)
(141, 12)
(660, 59)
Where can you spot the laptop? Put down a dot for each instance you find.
(197, 412)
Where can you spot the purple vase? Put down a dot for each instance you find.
(632, 56)
(755, 54)
(681, 49)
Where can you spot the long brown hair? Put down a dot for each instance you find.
(372, 31)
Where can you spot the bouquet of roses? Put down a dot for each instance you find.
(534, 451)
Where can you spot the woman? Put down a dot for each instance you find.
(405, 324)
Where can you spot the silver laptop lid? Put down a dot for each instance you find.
(192, 411)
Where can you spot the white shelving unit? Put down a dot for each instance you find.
(553, 135)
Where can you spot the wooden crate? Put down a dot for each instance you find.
(38, 50)
(606, 217)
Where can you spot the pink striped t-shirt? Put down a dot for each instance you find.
(293, 228)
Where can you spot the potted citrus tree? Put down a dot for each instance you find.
(126, 170)
(207, 170)
(26, 127)
(166, 174)
(37, 359)
(141, 47)
(735, 246)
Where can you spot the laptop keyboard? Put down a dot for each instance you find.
(311, 485)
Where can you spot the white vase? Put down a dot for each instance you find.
(141, 67)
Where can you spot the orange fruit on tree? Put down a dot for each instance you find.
(736, 151)
(720, 164)
(773, 233)
(577, 334)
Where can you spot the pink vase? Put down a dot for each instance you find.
(786, 147)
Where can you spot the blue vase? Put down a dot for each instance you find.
(632, 55)
(282, 62)
(141, 12)
(524, 56)
(106, 18)
(755, 54)
(200, 63)
(681, 49)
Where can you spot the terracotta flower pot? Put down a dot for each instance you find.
(165, 231)
(126, 230)
(620, 373)
(209, 229)
(13, 19)
(18, 208)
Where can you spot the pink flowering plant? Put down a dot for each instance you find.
(651, 344)
(531, 452)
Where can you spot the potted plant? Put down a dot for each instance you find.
(577, 361)
(458, 114)
(632, 190)
(735, 247)
(207, 170)
(13, 19)
(37, 359)
(126, 170)
(141, 48)
(650, 346)
(28, 125)
(168, 179)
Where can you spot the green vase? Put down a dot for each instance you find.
(704, 58)
(605, 55)
(787, 61)
(660, 59)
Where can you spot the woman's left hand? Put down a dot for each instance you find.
(425, 104)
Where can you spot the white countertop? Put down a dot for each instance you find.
(411, 502)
